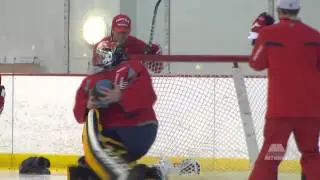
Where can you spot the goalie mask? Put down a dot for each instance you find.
(110, 55)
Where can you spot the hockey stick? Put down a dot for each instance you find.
(245, 113)
(148, 48)
(153, 24)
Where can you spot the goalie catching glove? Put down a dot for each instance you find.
(263, 20)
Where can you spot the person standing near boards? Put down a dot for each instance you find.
(290, 52)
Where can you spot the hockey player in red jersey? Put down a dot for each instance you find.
(120, 33)
(2, 96)
(124, 112)
(290, 51)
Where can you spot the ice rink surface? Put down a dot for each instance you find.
(206, 176)
(16, 176)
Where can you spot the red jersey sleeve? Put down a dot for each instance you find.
(259, 57)
(140, 93)
(80, 110)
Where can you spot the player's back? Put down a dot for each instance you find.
(294, 68)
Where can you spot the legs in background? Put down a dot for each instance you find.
(303, 176)
(276, 135)
(306, 134)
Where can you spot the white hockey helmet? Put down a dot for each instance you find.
(109, 54)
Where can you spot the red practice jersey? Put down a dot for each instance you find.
(134, 45)
(290, 50)
(137, 100)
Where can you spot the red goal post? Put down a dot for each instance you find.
(212, 111)
(194, 58)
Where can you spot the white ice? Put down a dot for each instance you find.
(15, 176)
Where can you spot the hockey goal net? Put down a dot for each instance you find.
(205, 109)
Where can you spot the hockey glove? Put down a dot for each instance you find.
(153, 66)
(147, 49)
(154, 49)
(263, 20)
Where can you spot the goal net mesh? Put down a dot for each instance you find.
(199, 115)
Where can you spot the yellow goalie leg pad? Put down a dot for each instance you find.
(118, 148)
(101, 159)
(91, 159)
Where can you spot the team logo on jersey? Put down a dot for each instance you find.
(124, 76)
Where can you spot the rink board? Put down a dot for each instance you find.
(61, 162)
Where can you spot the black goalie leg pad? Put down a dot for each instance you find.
(139, 172)
(82, 162)
(81, 173)
(143, 172)
(155, 173)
